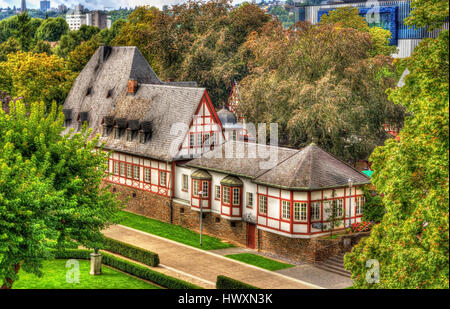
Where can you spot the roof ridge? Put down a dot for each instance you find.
(278, 164)
(342, 161)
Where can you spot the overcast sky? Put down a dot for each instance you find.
(95, 4)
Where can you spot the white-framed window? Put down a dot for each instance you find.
(162, 178)
(191, 140)
(129, 171)
(195, 187)
(147, 175)
(115, 168)
(339, 204)
(226, 195)
(359, 204)
(236, 196)
(315, 211)
(262, 205)
(185, 185)
(122, 169)
(285, 210)
(136, 172)
(249, 198)
(207, 142)
(217, 192)
(199, 139)
(300, 211)
(213, 138)
(205, 188)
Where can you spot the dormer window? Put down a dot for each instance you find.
(132, 129)
(109, 94)
(145, 131)
(82, 118)
(119, 128)
(107, 123)
(89, 91)
(67, 117)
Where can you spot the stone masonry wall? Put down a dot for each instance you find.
(164, 209)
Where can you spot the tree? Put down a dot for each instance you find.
(24, 31)
(411, 243)
(348, 17)
(81, 54)
(36, 77)
(374, 209)
(52, 29)
(428, 13)
(320, 84)
(71, 40)
(12, 45)
(49, 189)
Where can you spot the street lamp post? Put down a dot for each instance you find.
(201, 216)
(350, 184)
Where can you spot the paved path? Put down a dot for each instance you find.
(202, 265)
(302, 270)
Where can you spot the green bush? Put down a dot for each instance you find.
(138, 254)
(226, 283)
(130, 268)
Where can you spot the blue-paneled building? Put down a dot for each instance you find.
(389, 15)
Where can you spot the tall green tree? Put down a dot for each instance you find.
(49, 189)
(319, 83)
(52, 29)
(411, 243)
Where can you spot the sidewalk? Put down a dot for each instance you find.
(201, 265)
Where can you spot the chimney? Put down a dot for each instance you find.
(132, 86)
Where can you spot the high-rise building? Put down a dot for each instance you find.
(45, 5)
(76, 18)
(23, 6)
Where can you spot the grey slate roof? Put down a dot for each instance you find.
(310, 168)
(106, 75)
(164, 106)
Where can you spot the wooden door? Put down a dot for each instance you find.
(251, 232)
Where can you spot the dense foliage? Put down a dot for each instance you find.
(411, 243)
(226, 283)
(49, 188)
(130, 251)
(320, 83)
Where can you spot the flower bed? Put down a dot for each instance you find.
(362, 226)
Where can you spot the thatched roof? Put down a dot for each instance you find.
(310, 168)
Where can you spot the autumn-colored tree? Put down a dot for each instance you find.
(411, 244)
(71, 40)
(12, 45)
(348, 17)
(195, 40)
(49, 189)
(36, 77)
(320, 83)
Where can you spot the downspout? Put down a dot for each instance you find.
(173, 192)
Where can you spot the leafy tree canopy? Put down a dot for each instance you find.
(52, 29)
(49, 188)
(411, 243)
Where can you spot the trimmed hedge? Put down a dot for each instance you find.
(138, 254)
(130, 268)
(226, 283)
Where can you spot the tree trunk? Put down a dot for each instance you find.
(9, 282)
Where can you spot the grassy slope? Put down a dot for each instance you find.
(170, 231)
(55, 278)
(260, 261)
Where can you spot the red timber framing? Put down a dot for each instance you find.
(198, 132)
(262, 219)
(198, 185)
(231, 205)
(155, 177)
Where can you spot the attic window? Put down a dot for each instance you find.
(145, 131)
(119, 128)
(132, 129)
(89, 91)
(107, 123)
(109, 94)
(82, 118)
(67, 117)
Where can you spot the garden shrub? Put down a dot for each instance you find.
(138, 254)
(374, 209)
(130, 268)
(226, 283)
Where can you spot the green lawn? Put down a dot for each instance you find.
(259, 261)
(55, 278)
(171, 231)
